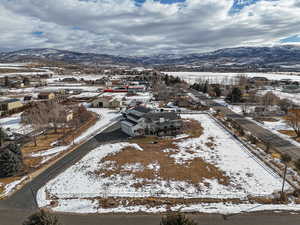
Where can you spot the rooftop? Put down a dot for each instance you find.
(9, 100)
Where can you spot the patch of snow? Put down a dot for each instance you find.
(13, 124)
(13, 185)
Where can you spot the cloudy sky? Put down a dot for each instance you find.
(141, 27)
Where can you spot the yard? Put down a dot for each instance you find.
(203, 170)
(46, 151)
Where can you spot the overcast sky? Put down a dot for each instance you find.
(142, 27)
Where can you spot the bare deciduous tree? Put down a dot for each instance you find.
(269, 99)
(44, 115)
(293, 120)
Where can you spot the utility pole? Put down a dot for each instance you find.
(283, 182)
(286, 159)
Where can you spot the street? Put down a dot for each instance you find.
(280, 144)
(16, 217)
(25, 197)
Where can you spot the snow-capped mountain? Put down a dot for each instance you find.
(261, 56)
(61, 55)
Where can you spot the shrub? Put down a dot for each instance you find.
(297, 164)
(42, 218)
(286, 158)
(10, 163)
(176, 219)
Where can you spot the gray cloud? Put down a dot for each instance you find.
(120, 27)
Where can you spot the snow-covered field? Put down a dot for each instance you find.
(192, 77)
(246, 176)
(12, 65)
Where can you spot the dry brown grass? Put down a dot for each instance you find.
(7, 70)
(262, 200)
(290, 133)
(74, 134)
(267, 119)
(43, 142)
(9, 180)
(1, 189)
(33, 162)
(153, 201)
(192, 128)
(193, 171)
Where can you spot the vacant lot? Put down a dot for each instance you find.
(204, 165)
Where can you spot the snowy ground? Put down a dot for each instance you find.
(107, 118)
(275, 127)
(192, 77)
(12, 124)
(246, 176)
(78, 77)
(292, 97)
(13, 65)
(8, 188)
(86, 95)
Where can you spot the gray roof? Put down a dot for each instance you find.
(158, 115)
(142, 109)
(9, 100)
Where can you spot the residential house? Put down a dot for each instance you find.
(106, 102)
(144, 121)
(69, 80)
(46, 95)
(291, 89)
(68, 115)
(27, 98)
(10, 105)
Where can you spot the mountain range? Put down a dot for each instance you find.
(283, 55)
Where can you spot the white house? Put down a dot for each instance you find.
(144, 121)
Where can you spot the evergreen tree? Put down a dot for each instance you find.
(176, 219)
(42, 218)
(6, 81)
(217, 91)
(235, 95)
(205, 87)
(10, 163)
(15, 149)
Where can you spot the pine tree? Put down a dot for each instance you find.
(10, 163)
(217, 91)
(205, 87)
(42, 218)
(15, 149)
(176, 219)
(6, 81)
(235, 95)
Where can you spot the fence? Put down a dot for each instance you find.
(157, 194)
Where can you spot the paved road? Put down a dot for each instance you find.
(16, 217)
(281, 145)
(25, 197)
